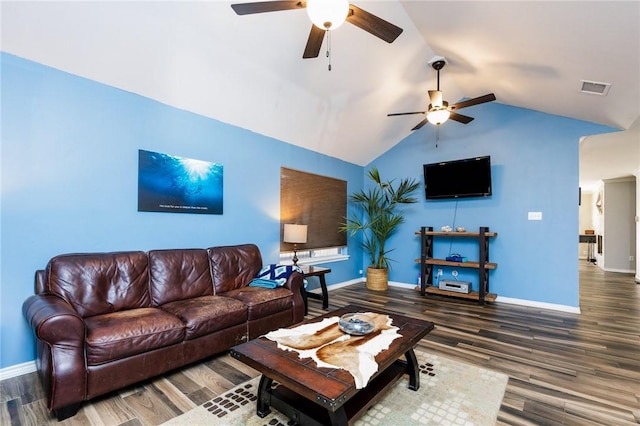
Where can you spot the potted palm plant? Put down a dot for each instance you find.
(378, 219)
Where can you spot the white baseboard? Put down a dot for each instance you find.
(17, 370)
(622, 271)
(543, 305)
(337, 285)
(512, 301)
(402, 285)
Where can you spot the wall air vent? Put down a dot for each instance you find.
(594, 87)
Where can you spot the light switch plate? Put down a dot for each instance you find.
(535, 216)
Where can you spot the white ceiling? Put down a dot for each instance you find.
(248, 70)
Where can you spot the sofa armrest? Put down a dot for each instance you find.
(295, 283)
(39, 281)
(53, 320)
(60, 332)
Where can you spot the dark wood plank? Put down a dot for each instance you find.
(152, 405)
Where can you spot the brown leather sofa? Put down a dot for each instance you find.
(103, 321)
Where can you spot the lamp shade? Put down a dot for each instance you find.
(327, 14)
(438, 116)
(296, 234)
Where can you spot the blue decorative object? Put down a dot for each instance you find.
(259, 282)
(279, 273)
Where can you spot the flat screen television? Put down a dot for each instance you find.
(469, 177)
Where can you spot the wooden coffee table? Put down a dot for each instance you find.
(312, 395)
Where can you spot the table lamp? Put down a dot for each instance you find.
(296, 234)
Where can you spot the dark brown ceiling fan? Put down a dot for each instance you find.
(439, 110)
(352, 14)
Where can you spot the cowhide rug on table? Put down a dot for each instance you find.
(329, 347)
(451, 393)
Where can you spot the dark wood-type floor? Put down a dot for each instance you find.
(564, 368)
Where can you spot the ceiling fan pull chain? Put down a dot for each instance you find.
(329, 48)
(437, 134)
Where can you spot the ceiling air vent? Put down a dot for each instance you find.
(594, 87)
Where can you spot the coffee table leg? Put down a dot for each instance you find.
(338, 417)
(412, 370)
(264, 396)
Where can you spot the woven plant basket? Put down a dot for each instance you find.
(377, 279)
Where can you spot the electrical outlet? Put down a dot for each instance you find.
(630, 258)
(439, 273)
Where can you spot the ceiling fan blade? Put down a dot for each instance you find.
(267, 6)
(420, 124)
(436, 98)
(372, 24)
(475, 101)
(314, 43)
(464, 119)
(406, 113)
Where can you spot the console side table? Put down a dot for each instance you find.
(316, 271)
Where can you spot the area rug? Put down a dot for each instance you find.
(451, 393)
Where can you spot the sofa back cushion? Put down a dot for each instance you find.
(179, 274)
(233, 267)
(100, 283)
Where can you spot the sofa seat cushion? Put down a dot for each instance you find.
(206, 314)
(263, 302)
(121, 334)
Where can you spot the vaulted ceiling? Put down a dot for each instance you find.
(248, 70)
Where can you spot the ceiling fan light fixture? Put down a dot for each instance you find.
(438, 116)
(327, 14)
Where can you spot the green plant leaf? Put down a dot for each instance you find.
(376, 215)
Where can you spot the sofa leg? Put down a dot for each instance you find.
(66, 412)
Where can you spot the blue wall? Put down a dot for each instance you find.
(69, 184)
(534, 162)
